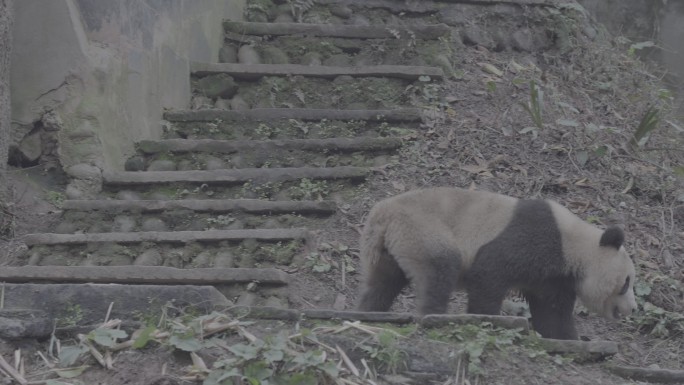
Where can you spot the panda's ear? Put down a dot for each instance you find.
(613, 236)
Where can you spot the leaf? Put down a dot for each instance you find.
(57, 382)
(568, 106)
(533, 130)
(246, 352)
(71, 372)
(491, 69)
(144, 337)
(68, 355)
(582, 157)
(188, 344)
(258, 371)
(567, 122)
(642, 289)
(217, 377)
(106, 337)
(273, 355)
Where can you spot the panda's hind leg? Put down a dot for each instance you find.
(433, 272)
(552, 313)
(383, 283)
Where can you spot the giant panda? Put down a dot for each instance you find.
(441, 239)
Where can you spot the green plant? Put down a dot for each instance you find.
(71, 316)
(652, 319)
(476, 339)
(535, 105)
(56, 198)
(649, 121)
(310, 190)
(385, 353)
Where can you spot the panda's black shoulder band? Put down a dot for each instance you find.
(613, 236)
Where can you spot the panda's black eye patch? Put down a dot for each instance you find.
(625, 287)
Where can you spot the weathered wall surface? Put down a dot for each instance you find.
(659, 21)
(95, 76)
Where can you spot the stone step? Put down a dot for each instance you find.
(256, 71)
(192, 215)
(236, 176)
(217, 206)
(427, 6)
(209, 154)
(265, 146)
(271, 235)
(150, 275)
(305, 114)
(430, 31)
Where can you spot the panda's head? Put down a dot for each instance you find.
(607, 279)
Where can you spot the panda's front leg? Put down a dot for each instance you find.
(552, 312)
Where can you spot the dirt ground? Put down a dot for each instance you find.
(478, 135)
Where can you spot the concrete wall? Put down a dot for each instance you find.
(96, 75)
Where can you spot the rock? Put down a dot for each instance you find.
(127, 195)
(123, 224)
(153, 224)
(522, 40)
(213, 86)
(162, 165)
(311, 59)
(274, 55)
(222, 104)
(284, 18)
(214, 163)
(200, 102)
(135, 163)
(359, 20)
(228, 54)
(364, 316)
(149, 257)
(203, 259)
(65, 227)
(247, 298)
(341, 10)
(476, 36)
(24, 323)
(224, 259)
(237, 103)
(274, 301)
(31, 147)
(84, 171)
(248, 55)
(73, 192)
(340, 60)
(340, 302)
(51, 121)
(185, 165)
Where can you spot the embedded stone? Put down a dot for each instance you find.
(224, 259)
(127, 195)
(284, 18)
(222, 104)
(311, 59)
(153, 224)
(248, 55)
(185, 165)
(200, 102)
(339, 60)
(213, 86)
(274, 301)
(203, 259)
(237, 103)
(228, 54)
(73, 192)
(150, 257)
(84, 171)
(123, 224)
(274, 55)
(135, 163)
(162, 165)
(341, 10)
(247, 298)
(214, 163)
(31, 147)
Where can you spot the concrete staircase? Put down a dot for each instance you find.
(266, 153)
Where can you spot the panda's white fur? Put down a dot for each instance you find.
(444, 238)
(604, 272)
